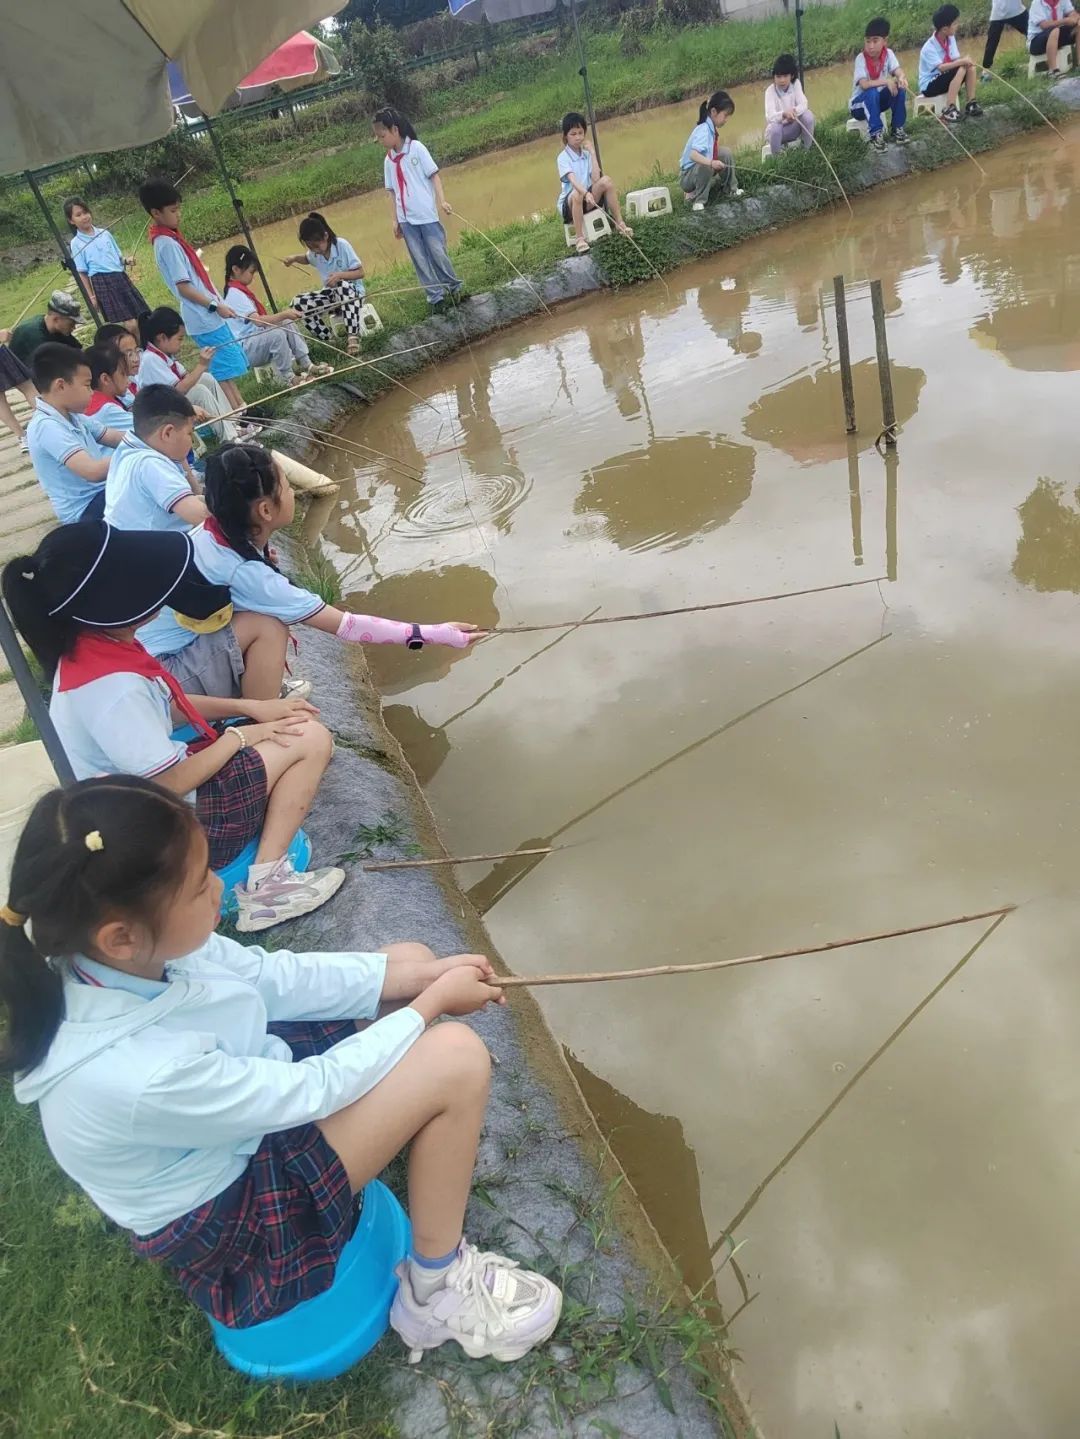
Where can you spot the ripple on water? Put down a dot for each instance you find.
(462, 504)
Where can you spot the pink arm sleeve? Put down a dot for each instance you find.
(373, 630)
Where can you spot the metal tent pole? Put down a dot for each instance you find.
(799, 12)
(61, 245)
(584, 73)
(35, 700)
(238, 206)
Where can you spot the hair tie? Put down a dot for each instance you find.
(93, 840)
(12, 917)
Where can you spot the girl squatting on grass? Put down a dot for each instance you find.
(226, 1105)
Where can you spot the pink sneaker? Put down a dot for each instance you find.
(493, 1308)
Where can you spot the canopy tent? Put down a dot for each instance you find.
(497, 10)
(104, 86)
(303, 60)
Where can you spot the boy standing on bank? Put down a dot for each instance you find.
(880, 84)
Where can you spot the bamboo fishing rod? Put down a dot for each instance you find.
(488, 240)
(457, 859)
(1028, 101)
(513, 981)
(816, 142)
(292, 389)
(779, 178)
(352, 448)
(685, 609)
(957, 140)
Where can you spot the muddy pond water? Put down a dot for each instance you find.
(888, 1132)
(516, 183)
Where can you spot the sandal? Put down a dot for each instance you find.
(353, 345)
(583, 247)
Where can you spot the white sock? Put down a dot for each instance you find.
(428, 1275)
(258, 872)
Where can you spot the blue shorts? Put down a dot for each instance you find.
(230, 362)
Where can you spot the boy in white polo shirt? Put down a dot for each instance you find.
(68, 449)
(147, 490)
(1051, 24)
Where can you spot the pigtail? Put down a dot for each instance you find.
(49, 636)
(237, 477)
(394, 120)
(703, 113)
(239, 257)
(32, 993)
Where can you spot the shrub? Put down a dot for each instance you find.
(378, 61)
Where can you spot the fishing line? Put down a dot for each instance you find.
(1028, 101)
(352, 448)
(828, 162)
(506, 257)
(957, 140)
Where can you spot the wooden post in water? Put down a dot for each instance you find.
(846, 384)
(855, 500)
(891, 465)
(888, 409)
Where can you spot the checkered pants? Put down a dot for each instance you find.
(318, 307)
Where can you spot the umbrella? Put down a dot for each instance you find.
(497, 10)
(303, 60)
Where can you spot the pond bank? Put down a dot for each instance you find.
(661, 245)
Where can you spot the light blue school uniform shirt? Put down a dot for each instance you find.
(568, 163)
(702, 138)
(53, 438)
(892, 64)
(96, 253)
(418, 206)
(1040, 11)
(175, 266)
(114, 416)
(141, 491)
(931, 56)
(342, 256)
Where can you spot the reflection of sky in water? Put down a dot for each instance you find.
(737, 782)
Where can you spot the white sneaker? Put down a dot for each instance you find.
(698, 205)
(489, 1305)
(295, 690)
(284, 894)
(738, 193)
(24, 445)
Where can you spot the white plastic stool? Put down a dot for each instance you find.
(370, 324)
(936, 104)
(858, 127)
(596, 225)
(766, 149)
(644, 204)
(1039, 65)
(263, 372)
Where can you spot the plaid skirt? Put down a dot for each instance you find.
(274, 1237)
(231, 805)
(117, 297)
(12, 370)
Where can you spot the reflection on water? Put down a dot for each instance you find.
(784, 773)
(706, 481)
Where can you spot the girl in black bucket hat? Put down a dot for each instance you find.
(78, 602)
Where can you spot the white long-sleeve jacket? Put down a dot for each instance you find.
(777, 101)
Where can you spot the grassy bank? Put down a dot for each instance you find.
(519, 97)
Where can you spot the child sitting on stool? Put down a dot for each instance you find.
(943, 70)
(581, 188)
(787, 115)
(880, 84)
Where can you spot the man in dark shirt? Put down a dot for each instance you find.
(57, 324)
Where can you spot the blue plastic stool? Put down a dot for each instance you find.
(324, 1336)
(235, 872)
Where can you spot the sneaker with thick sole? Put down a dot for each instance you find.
(698, 205)
(900, 136)
(951, 115)
(488, 1305)
(285, 894)
(973, 110)
(878, 140)
(296, 689)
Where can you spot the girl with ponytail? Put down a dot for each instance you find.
(249, 498)
(267, 339)
(706, 165)
(165, 1061)
(342, 272)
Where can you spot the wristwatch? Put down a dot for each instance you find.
(415, 640)
(212, 307)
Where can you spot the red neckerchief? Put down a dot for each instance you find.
(716, 144)
(156, 233)
(397, 161)
(1053, 4)
(95, 656)
(879, 62)
(98, 401)
(168, 359)
(260, 308)
(945, 46)
(216, 533)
